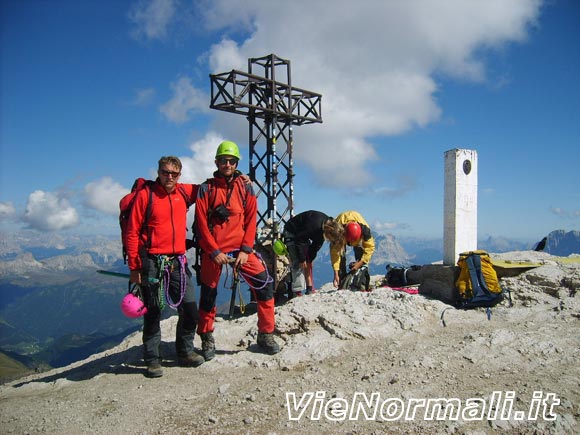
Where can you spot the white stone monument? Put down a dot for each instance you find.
(460, 208)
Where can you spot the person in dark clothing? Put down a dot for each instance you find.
(304, 236)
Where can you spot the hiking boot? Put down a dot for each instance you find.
(267, 343)
(192, 360)
(310, 292)
(154, 370)
(207, 345)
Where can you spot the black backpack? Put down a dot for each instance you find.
(356, 280)
(400, 276)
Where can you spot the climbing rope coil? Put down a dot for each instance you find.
(165, 264)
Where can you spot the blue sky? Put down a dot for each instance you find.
(94, 92)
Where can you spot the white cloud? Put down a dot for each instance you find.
(186, 98)
(200, 166)
(558, 211)
(406, 184)
(226, 56)
(388, 227)
(151, 18)
(143, 97)
(7, 211)
(104, 195)
(374, 62)
(45, 211)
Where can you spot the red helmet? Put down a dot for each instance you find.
(352, 232)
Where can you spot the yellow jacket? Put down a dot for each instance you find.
(366, 242)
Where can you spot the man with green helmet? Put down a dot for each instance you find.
(225, 212)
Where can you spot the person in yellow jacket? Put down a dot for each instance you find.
(357, 233)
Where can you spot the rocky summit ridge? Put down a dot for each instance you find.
(519, 370)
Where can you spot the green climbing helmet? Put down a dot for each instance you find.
(280, 248)
(228, 148)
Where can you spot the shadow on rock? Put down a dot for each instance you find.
(126, 362)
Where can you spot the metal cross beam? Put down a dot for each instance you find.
(272, 107)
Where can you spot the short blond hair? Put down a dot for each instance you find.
(170, 160)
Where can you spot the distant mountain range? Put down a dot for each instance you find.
(55, 308)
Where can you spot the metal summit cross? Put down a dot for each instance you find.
(272, 107)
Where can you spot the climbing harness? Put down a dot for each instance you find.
(237, 274)
(260, 284)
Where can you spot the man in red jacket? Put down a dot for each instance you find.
(156, 250)
(225, 214)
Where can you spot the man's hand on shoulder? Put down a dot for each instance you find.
(245, 178)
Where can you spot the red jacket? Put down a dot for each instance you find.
(238, 231)
(166, 228)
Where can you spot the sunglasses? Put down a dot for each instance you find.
(223, 160)
(168, 173)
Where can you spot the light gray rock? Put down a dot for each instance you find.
(335, 345)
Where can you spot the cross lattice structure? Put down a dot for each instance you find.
(272, 106)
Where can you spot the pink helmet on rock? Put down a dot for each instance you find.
(132, 306)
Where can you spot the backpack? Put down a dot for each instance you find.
(477, 284)
(356, 280)
(401, 276)
(126, 205)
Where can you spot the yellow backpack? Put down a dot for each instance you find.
(477, 284)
